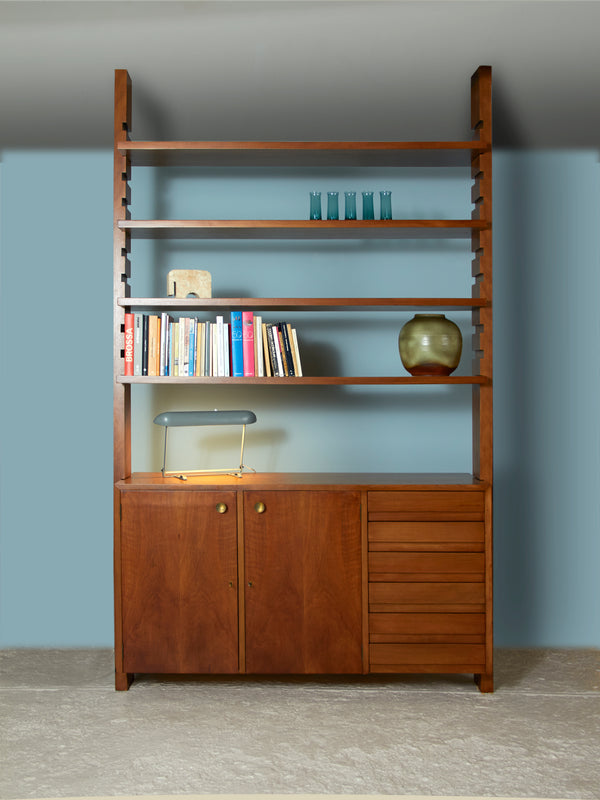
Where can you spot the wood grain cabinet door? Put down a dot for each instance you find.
(303, 582)
(179, 582)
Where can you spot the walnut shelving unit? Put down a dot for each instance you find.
(421, 589)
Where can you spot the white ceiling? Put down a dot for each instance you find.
(299, 69)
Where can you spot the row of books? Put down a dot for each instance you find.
(245, 346)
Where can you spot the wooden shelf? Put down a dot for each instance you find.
(302, 229)
(335, 380)
(303, 303)
(199, 153)
(377, 481)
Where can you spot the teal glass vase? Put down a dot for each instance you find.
(315, 205)
(350, 205)
(385, 211)
(368, 208)
(333, 211)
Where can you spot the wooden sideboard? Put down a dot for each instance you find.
(304, 574)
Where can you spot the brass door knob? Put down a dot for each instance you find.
(221, 508)
(260, 508)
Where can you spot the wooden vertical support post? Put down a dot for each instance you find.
(481, 171)
(481, 168)
(121, 392)
(241, 560)
(121, 272)
(364, 537)
(486, 680)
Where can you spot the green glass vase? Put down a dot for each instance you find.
(430, 344)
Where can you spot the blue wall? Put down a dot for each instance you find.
(55, 403)
(56, 396)
(308, 428)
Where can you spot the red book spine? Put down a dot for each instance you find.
(248, 342)
(128, 344)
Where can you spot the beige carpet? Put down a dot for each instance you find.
(296, 797)
(67, 734)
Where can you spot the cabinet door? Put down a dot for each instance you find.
(179, 582)
(303, 582)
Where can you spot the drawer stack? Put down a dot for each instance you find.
(426, 567)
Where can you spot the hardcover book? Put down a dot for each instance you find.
(138, 342)
(164, 343)
(145, 344)
(220, 347)
(284, 328)
(296, 353)
(153, 344)
(237, 350)
(275, 351)
(248, 342)
(266, 351)
(259, 360)
(129, 323)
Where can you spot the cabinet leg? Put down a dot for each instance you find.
(123, 681)
(485, 681)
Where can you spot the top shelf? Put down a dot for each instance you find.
(235, 153)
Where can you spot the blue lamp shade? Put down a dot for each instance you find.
(179, 419)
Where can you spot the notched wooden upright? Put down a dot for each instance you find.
(121, 392)
(121, 272)
(481, 171)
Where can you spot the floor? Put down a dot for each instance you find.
(66, 732)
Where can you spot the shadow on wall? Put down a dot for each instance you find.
(513, 511)
(547, 444)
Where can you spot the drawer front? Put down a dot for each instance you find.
(392, 626)
(418, 566)
(426, 536)
(437, 594)
(426, 505)
(399, 657)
